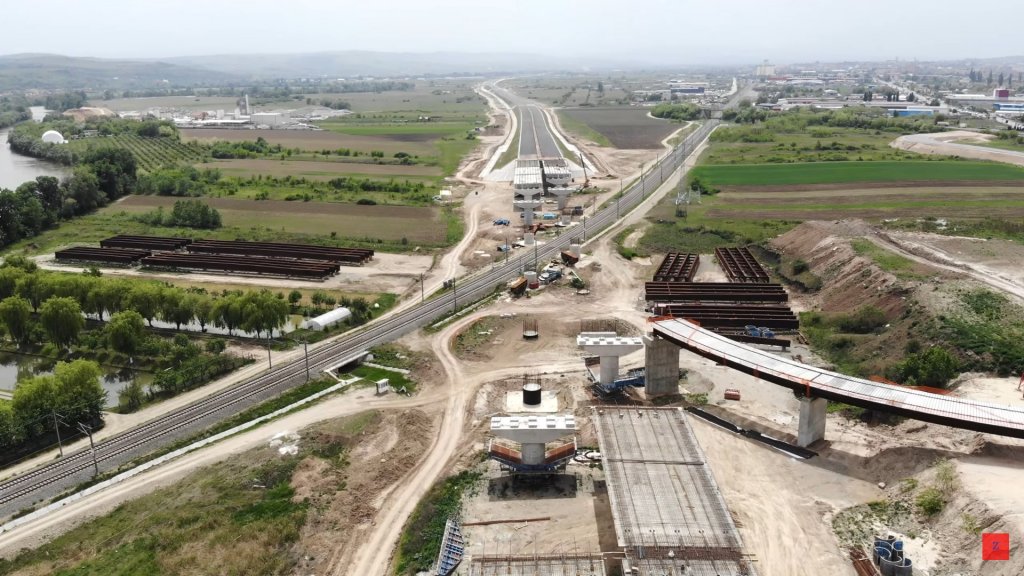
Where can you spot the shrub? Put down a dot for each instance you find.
(930, 501)
(933, 367)
(864, 321)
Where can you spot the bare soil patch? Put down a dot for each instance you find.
(341, 509)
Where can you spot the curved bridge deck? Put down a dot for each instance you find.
(816, 382)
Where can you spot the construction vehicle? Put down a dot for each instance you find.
(550, 275)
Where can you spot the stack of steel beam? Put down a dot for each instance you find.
(740, 265)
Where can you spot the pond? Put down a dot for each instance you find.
(17, 367)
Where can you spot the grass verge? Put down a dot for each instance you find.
(886, 260)
(421, 538)
(511, 153)
(238, 517)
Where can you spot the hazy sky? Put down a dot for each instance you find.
(654, 31)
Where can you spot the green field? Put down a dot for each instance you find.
(150, 153)
(581, 129)
(329, 223)
(451, 141)
(571, 90)
(627, 127)
(849, 172)
(440, 99)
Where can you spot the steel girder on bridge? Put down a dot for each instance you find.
(820, 383)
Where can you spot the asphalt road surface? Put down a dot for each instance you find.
(535, 137)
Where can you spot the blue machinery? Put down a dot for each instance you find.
(635, 378)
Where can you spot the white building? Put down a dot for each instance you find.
(327, 319)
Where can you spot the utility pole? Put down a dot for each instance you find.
(423, 296)
(584, 228)
(56, 428)
(305, 348)
(455, 297)
(535, 252)
(270, 364)
(92, 447)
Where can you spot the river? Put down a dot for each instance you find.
(16, 169)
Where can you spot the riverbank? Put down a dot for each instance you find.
(16, 169)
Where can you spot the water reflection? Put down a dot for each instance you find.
(16, 169)
(17, 367)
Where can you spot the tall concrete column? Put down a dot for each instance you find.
(608, 346)
(812, 421)
(662, 366)
(609, 369)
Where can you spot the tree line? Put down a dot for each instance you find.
(977, 77)
(677, 112)
(105, 175)
(26, 138)
(71, 395)
(60, 300)
(13, 109)
(184, 214)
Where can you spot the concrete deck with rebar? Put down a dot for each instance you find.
(667, 509)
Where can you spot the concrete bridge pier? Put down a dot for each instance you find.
(662, 366)
(812, 421)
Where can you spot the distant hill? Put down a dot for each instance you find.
(51, 71)
(362, 63)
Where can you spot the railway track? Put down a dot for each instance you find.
(48, 480)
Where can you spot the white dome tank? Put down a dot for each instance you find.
(53, 137)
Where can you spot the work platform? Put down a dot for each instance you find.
(823, 384)
(667, 509)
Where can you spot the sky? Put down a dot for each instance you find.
(680, 32)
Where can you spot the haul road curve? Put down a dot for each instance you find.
(44, 482)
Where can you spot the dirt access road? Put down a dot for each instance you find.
(945, 144)
(922, 248)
